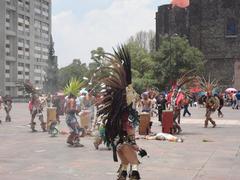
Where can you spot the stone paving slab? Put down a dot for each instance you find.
(36, 156)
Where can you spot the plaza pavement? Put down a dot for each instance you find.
(36, 156)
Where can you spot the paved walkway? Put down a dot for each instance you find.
(36, 156)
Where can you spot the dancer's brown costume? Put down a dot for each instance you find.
(175, 98)
(211, 107)
(116, 107)
(210, 101)
(35, 107)
(7, 102)
(37, 110)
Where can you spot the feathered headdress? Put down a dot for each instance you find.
(73, 87)
(114, 76)
(177, 95)
(207, 85)
(29, 88)
(186, 78)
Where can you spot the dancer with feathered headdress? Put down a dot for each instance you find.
(114, 76)
(35, 106)
(7, 103)
(176, 96)
(71, 90)
(210, 101)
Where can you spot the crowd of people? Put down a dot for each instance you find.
(86, 106)
(234, 99)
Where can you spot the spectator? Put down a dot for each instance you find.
(161, 104)
(185, 106)
(221, 103)
(234, 101)
(146, 103)
(238, 100)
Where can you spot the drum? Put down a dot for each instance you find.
(51, 115)
(85, 118)
(144, 125)
(167, 121)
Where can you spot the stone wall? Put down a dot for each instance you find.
(237, 75)
(206, 24)
(222, 70)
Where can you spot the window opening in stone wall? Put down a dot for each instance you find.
(231, 28)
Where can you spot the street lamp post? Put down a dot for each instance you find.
(170, 55)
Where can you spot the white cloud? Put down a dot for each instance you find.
(75, 37)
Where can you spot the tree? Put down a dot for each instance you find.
(92, 67)
(142, 66)
(98, 55)
(141, 45)
(145, 40)
(51, 79)
(175, 57)
(75, 70)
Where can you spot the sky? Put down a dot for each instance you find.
(80, 26)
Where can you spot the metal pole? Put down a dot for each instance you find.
(170, 61)
(170, 41)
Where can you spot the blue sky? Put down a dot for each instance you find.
(79, 7)
(80, 26)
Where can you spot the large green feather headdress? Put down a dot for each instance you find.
(73, 87)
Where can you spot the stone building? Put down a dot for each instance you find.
(213, 26)
(25, 29)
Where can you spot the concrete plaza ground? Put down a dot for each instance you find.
(36, 156)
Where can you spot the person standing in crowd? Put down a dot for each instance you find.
(146, 103)
(238, 100)
(221, 104)
(201, 101)
(185, 106)
(234, 101)
(194, 100)
(161, 105)
(152, 96)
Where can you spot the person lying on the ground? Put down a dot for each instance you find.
(163, 137)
